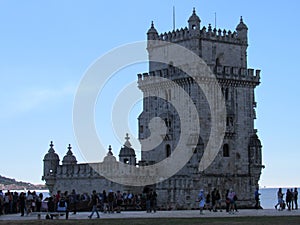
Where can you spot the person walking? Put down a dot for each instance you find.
(279, 199)
(256, 196)
(201, 199)
(94, 202)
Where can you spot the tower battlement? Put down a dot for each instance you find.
(208, 34)
(194, 30)
(227, 72)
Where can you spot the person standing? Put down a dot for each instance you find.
(288, 198)
(22, 201)
(104, 201)
(296, 198)
(111, 201)
(153, 200)
(207, 202)
(232, 198)
(94, 202)
(218, 200)
(119, 197)
(213, 199)
(256, 196)
(201, 199)
(38, 202)
(73, 201)
(62, 205)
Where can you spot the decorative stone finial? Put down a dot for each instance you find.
(241, 20)
(127, 137)
(152, 24)
(51, 150)
(69, 150)
(127, 143)
(194, 10)
(209, 28)
(109, 150)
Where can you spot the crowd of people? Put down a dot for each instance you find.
(14, 202)
(212, 201)
(28, 202)
(291, 199)
(110, 202)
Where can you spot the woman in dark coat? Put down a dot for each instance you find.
(22, 200)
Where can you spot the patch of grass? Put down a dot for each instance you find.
(284, 220)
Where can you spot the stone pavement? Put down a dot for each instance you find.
(163, 214)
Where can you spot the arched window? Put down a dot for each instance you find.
(225, 150)
(126, 161)
(226, 94)
(168, 122)
(168, 150)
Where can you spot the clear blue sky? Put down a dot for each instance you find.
(46, 46)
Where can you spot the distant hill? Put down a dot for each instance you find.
(12, 184)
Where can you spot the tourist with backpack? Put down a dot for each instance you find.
(62, 206)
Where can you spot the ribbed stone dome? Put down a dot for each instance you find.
(51, 155)
(126, 150)
(194, 17)
(152, 29)
(69, 158)
(241, 25)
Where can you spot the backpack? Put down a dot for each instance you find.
(62, 203)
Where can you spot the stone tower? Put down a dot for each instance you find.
(238, 164)
(51, 163)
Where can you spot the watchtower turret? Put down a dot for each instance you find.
(152, 33)
(69, 158)
(127, 153)
(242, 31)
(51, 161)
(194, 23)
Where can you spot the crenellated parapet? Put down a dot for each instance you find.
(224, 74)
(219, 35)
(238, 36)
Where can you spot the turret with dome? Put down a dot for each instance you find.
(127, 153)
(69, 158)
